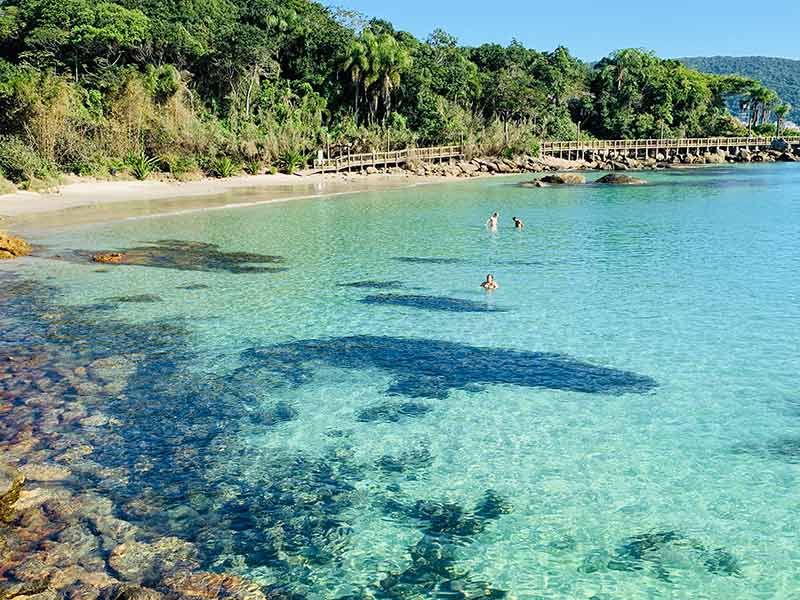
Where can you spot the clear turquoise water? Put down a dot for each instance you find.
(670, 410)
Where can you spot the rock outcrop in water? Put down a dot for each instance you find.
(556, 179)
(13, 247)
(617, 179)
(11, 481)
(187, 255)
(433, 303)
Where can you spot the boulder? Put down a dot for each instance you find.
(780, 145)
(11, 482)
(372, 171)
(619, 166)
(615, 179)
(12, 247)
(112, 258)
(138, 561)
(557, 179)
(787, 157)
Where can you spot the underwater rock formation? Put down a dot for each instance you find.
(186, 255)
(425, 368)
(656, 552)
(435, 303)
(11, 481)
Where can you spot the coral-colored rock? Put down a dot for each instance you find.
(137, 561)
(210, 586)
(111, 258)
(11, 247)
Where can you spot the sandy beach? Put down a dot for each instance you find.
(90, 200)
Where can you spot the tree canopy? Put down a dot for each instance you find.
(88, 83)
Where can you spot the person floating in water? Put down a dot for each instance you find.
(490, 283)
(518, 223)
(492, 222)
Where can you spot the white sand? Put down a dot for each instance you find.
(88, 192)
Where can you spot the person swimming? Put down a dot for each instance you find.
(518, 223)
(492, 222)
(490, 283)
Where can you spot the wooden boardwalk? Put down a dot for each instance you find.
(394, 158)
(575, 150)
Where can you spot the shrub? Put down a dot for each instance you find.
(291, 160)
(273, 170)
(253, 167)
(223, 167)
(142, 166)
(6, 187)
(20, 163)
(179, 166)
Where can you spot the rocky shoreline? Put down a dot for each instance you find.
(597, 161)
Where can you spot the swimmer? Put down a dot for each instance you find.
(492, 222)
(490, 283)
(518, 223)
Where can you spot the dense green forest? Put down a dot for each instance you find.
(779, 74)
(212, 86)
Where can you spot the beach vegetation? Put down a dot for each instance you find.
(224, 167)
(142, 166)
(85, 85)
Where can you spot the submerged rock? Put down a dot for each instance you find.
(426, 368)
(13, 247)
(659, 553)
(616, 179)
(435, 303)
(138, 561)
(11, 482)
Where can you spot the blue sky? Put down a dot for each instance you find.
(591, 29)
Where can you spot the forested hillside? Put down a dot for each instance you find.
(217, 85)
(779, 74)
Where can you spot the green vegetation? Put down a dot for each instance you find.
(779, 74)
(142, 166)
(213, 84)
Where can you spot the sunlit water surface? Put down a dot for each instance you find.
(621, 419)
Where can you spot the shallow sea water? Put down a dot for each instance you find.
(621, 419)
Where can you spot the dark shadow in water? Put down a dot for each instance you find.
(409, 462)
(655, 554)
(185, 255)
(134, 299)
(421, 260)
(376, 285)
(425, 368)
(436, 303)
(785, 449)
(434, 572)
(391, 412)
(194, 286)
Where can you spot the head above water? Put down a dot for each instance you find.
(490, 277)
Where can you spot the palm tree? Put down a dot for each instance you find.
(388, 59)
(357, 63)
(781, 111)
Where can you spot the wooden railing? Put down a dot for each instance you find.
(658, 144)
(385, 159)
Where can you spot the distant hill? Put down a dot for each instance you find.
(780, 74)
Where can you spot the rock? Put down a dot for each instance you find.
(619, 166)
(42, 472)
(780, 145)
(614, 179)
(125, 591)
(212, 585)
(372, 171)
(786, 157)
(138, 561)
(12, 247)
(11, 482)
(563, 179)
(112, 258)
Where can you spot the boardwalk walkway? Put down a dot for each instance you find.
(576, 150)
(394, 158)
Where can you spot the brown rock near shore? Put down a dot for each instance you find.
(12, 247)
(112, 258)
(616, 179)
(556, 179)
